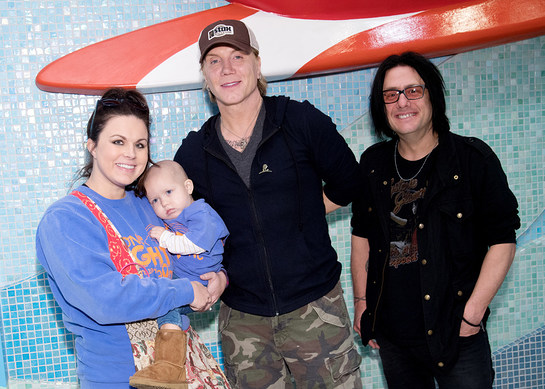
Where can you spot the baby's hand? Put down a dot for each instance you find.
(156, 232)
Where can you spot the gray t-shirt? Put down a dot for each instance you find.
(243, 160)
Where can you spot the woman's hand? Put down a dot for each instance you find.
(201, 299)
(217, 282)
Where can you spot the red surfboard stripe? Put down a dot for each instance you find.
(126, 59)
(344, 9)
(436, 33)
(128, 54)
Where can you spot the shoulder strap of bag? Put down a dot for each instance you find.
(122, 258)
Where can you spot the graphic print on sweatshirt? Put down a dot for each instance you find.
(149, 255)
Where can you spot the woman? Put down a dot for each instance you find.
(260, 163)
(78, 250)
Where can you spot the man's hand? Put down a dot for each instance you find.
(467, 330)
(359, 307)
(217, 282)
(373, 344)
(359, 265)
(201, 299)
(495, 267)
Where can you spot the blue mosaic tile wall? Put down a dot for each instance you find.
(521, 364)
(496, 94)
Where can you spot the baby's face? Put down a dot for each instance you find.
(168, 197)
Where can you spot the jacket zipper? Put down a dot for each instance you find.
(256, 220)
(261, 242)
(261, 239)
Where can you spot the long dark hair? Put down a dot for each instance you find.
(114, 102)
(435, 86)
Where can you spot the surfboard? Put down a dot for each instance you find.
(295, 40)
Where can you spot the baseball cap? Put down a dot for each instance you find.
(227, 32)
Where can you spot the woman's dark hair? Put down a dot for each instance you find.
(114, 102)
(434, 85)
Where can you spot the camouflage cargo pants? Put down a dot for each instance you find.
(312, 346)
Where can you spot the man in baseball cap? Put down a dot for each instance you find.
(262, 160)
(227, 32)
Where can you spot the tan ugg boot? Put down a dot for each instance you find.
(168, 370)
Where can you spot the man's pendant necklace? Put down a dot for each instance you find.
(419, 170)
(238, 144)
(242, 142)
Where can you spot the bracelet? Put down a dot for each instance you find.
(471, 324)
(360, 298)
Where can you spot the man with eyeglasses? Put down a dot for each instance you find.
(433, 235)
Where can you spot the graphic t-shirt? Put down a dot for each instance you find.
(402, 317)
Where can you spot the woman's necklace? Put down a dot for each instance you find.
(243, 141)
(419, 170)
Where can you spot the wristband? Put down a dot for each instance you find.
(360, 298)
(471, 324)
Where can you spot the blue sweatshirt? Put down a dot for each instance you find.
(204, 228)
(96, 301)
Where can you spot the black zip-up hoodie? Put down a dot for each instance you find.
(279, 255)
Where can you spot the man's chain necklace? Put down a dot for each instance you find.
(243, 141)
(419, 170)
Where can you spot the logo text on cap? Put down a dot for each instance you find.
(219, 31)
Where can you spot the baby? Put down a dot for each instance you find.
(196, 233)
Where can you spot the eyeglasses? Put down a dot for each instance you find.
(111, 102)
(414, 92)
